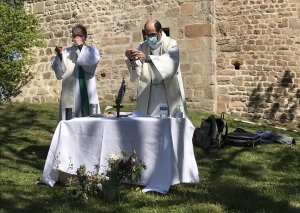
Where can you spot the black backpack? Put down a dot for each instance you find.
(210, 134)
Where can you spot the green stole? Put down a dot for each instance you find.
(83, 93)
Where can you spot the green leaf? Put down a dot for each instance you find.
(19, 35)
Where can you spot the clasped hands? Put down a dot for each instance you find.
(135, 54)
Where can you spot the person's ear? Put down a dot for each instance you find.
(160, 32)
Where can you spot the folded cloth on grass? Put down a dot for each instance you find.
(270, 137)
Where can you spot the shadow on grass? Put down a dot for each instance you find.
(260, 179)
(266, 182)
(26, 132)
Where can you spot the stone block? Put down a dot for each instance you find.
(137, 36)
(294, 23)
(208, 92)
(187, 9)
(205, 57)
(238, 81)
(241, 88)
(36, 99)
(64, 42)
(207, 104)
(198, 30)
(27, 100)
(130, 26)
(112, 50)
(119, 62)
(115, 41)
(189, 94)
(174, 12)
(223, 97)
(40, 67)
(56, 17)
(39, 7)
(106, 62)
(246, 47)
(222, 106)
(48, 18)
(41, 52)
(194, 45)
(66, 16)
(185, 68)
(226, 72)
(44, 59)
(62, 1)
(196, 68)
(230, 48)
(50, 3)
(59, 34)
(223, 79)
(158, 15)
(237, 104)
(222, 90)
(47, 75)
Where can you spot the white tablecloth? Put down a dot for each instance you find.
(164, 145)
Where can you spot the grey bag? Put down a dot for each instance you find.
(209, 134)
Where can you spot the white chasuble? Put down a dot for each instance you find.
(160, 80)
(68, 71)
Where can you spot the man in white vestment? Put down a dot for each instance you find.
(158, 70)
(76, 66)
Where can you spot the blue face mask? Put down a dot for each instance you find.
(151, 40)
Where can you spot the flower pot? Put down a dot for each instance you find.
(111, 193)
(63, 177)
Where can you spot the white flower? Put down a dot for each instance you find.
(113, 159)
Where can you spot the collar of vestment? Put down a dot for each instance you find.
(160, 41)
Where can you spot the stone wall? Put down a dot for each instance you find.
(116, 25)
(258, 58)
(240, 57)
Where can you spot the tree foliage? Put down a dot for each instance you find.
(19, 35)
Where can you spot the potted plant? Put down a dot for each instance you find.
(85, 183)
(121, 169)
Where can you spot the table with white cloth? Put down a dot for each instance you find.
(164, 145)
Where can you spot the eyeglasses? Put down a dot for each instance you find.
(74, 36)
(151, 35)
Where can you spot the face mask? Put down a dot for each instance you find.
(151, 40)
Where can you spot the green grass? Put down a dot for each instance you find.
(234, 179)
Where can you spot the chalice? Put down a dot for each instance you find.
(133, 59)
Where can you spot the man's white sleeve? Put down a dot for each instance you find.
(166, 64)
(88, 58)
(135, 72)
(58, 67)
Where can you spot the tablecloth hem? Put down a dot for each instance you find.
(49, 183)
(156, 189)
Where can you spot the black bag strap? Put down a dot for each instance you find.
(226, 127)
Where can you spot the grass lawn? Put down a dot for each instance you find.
(234, 179)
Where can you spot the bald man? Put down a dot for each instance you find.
(158, 71)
